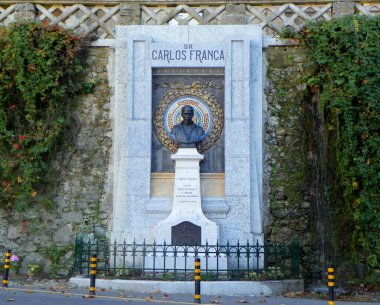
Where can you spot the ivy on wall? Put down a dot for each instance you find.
(347, 54)
(38, 65)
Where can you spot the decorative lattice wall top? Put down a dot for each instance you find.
(82, 19)
(271, 18)
(100, 20)
(368, 9)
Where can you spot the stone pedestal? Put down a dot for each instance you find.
(187, 205)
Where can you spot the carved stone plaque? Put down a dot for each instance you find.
(186, 233)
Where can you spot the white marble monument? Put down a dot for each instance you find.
(234, 213)
(187, 200)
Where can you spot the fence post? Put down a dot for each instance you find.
(78, 254)
(295, 258)
(331, 284)
(7, 265)
(92, 275)
(197, 278)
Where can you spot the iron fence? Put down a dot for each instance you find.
(240, 261)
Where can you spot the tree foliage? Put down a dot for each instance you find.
(347, 54)
(38, 64)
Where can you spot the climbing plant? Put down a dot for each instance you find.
(346, 53)
(38, 68)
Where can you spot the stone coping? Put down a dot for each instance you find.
(227, 288)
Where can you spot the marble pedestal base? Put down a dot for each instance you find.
(186, 200)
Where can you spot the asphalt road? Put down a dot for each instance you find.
(30, 296)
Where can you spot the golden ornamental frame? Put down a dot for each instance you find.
(197, 89)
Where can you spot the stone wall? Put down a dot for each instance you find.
(288, 152)
(78, 197)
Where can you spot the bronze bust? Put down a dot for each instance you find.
(187, 133)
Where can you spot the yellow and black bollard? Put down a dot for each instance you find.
(197, 278)
(7, 265)
(92, 274)
(331, 283)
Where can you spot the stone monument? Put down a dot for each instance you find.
(186, 224)
(195, 65)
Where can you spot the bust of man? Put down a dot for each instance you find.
(187, 133)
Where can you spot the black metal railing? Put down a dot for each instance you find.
(170, 262)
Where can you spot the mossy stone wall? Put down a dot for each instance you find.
(288, 153)
(78, 198)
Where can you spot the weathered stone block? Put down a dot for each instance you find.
(235, 14)
(25, 12)
(13, 232)
(64, 234)
(130, 13)
(343, 8)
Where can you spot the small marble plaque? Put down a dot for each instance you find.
(186, 233)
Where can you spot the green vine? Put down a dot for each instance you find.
(347, 54)
(38, 65)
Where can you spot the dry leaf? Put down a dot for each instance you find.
(242, 301)
(10, 300)
(214, 302)
(28, 291)
(88, 296)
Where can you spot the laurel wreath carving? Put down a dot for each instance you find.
(196, 89)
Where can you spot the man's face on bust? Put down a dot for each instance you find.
(187, 114)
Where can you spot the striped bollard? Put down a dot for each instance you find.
(330, 283)
(92, 274)
(7, 265)
(197, 278)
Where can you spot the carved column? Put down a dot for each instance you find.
(130, 13)
(25, 12)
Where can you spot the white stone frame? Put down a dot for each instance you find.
(133, 127)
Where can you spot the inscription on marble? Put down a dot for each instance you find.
(186, 233)
(187, 55)
(187, 190)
